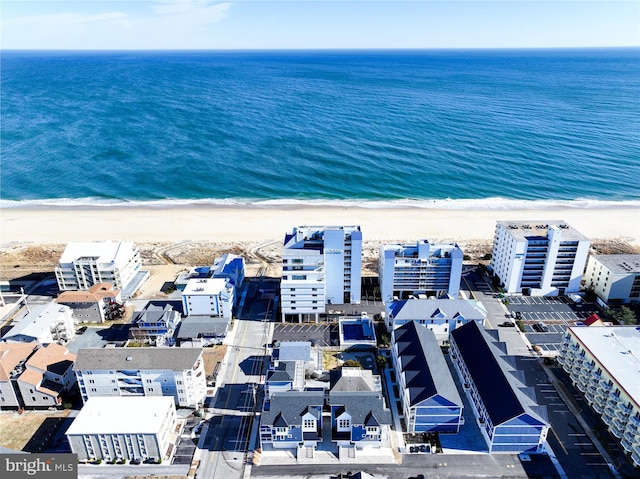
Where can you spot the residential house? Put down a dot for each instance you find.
(284, 376)
(430, 399)
(201, 331)
(113, 372)
(292, 420)
(13, 356)
(44, 323)
(33, 376)
(48, 376)
(99, 303)
(156, 323)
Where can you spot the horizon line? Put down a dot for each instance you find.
(320, 49)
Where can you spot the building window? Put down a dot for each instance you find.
(344, 423)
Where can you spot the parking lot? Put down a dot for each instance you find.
(322, 334)
(545, 319)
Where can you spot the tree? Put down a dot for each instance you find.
(590, 294)
(622, 315)
(352, 363)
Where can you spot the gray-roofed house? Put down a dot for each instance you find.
(45, 323)
(285, 376)
(359, 417)
(294, 351)
(440, 315)
(156, 323)
(430, 399)
(509, 419)
(292, 420)
(177, 372)
(359, 420)
(200, 331)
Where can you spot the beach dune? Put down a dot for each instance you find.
(257, 223)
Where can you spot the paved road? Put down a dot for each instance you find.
(433, 466)
(227, 437)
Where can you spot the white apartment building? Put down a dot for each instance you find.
(540, 258)
(45, 323)
(614, 277)
(320, 265)
(604, 362)
(114, 372)
(125, 428)
(83, 265)
(208, 297)
(420, 269)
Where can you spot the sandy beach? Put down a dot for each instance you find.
(245, 223)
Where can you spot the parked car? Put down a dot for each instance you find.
(507, 324)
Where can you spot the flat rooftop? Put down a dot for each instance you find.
(103, 252)
(205, 286)
(525, 229)
(617, 349)
(122, 415)
(619, 263)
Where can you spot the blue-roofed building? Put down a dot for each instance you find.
(357, 332)
(430, 399)
(292, 420)
(440, 315)
(509, 419)
(229, 266)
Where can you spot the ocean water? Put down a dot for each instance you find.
(486, 129)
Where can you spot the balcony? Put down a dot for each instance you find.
(604, 387)
(582, 384)
(623, 411)
(629, 435)
(627, 444)
(597, 407)
(607, 414)
(617, 428)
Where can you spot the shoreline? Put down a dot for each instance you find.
(170, 223)
(460, 204)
